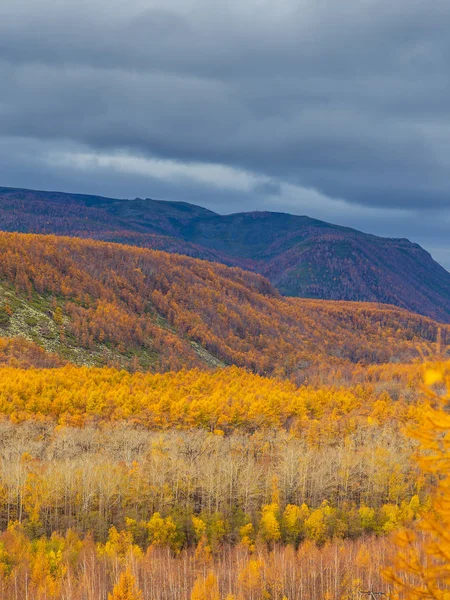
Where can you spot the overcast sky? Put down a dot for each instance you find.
(337, 109)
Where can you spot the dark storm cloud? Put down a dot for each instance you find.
(350, 99)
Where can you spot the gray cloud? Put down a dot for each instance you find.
(349, 99)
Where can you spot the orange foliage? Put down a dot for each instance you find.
(223, 400)
(132, 297)
(18, 352)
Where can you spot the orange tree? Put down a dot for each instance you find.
(421, 568)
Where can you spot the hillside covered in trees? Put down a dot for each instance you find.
(301, 256)
(173, 428)
(103, 303)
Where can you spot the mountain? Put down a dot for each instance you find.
(95, 303)
(301, 256)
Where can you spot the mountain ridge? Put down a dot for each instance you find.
(300, 255)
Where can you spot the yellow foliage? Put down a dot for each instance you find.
(119, 545)
(162, 531)
(363, 557)
(432, 376)
(126, 588)
(203, 551)
(316, 524)
(247, 533)
(269, 526)
(48, 567)
(105, 289)
(199, 527)
(422, 565)
(226, 399)
(251, 577)
(367, 516)
(292, 521)
(206, 588)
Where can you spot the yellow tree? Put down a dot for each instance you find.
(269, 526)
(422, 565)
(126, 588)
(119, 545)
(206, 588)
(251, 580)
(162, 531)
(48, 568)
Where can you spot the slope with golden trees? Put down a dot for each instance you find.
(184, 312)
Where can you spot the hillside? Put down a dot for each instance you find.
(97, 303)
(301, 256)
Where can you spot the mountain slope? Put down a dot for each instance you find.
(300, 256)
(310, 258)
(102, 303)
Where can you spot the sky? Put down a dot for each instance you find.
(335, 109)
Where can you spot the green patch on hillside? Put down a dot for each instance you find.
(206, 357)
(41, 319)
(37, 320)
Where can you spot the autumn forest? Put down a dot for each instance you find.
(177, 429)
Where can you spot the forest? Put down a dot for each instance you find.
(176, 429)
(205, 485)
(149, 310)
